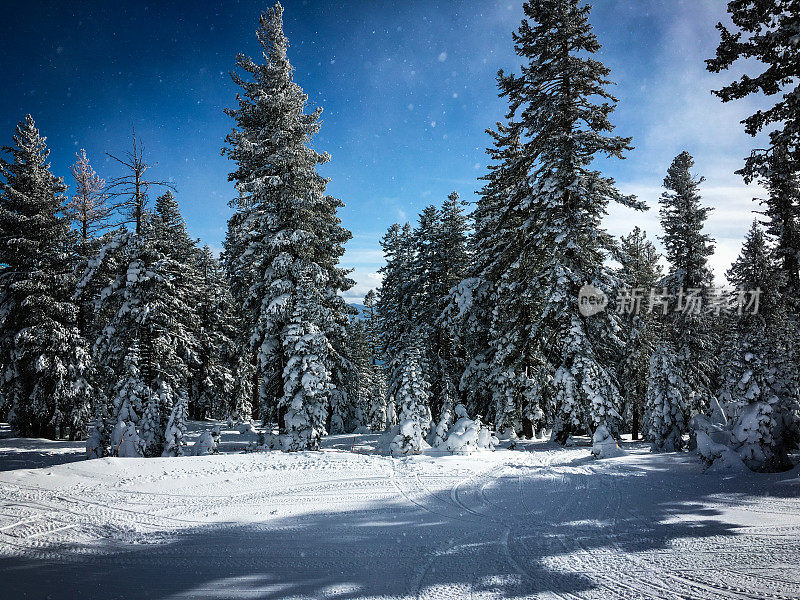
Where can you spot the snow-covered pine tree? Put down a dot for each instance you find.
(240, 273)
(666, 415)
(768, 32)
(452, 262)
(175, 431)
(687, 250)
(181, 266)
(394, 306)
(45, 363)
(555, 201)
(307, 380)
(90, 213)
(469, 311)
(424, 292)
(372, 327)
(782, 211)
(289, 230)
(147, 314)
(639, 272)
(362, 391)
(759, 385)
(376, 406)
(212, 383)
(412, 397)
(130, 394)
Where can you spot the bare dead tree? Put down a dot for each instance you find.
(133, 189)
(88, 207)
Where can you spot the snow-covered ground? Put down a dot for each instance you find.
(537, 522)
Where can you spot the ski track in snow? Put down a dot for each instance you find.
(540, 522)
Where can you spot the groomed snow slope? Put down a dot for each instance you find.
(541, 522)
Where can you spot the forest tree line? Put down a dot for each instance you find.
(113, 316)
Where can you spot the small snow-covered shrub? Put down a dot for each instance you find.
(207, 443)
(125, 442)
(410, 438)
(176, 430)
(717, 456)
(752, 434)
(442, 427)
(95, 443)
(245, 427)
(604, 445)
(468, 435)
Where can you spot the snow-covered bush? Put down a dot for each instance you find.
(465, 435)
(176, 429)
(95, 444)
(207, 443)
(718, 456)
(604, 445)
(752, 435)
(442, 427)
(468, 435)
(125, 442)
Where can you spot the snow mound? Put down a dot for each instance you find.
(408, 439)
(604, 445)
(94, 443)
(717, 457)
(465, 435)
(125, 442)
(207, 443)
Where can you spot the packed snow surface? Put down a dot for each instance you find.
(539, 521)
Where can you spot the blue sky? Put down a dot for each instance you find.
(407, 90)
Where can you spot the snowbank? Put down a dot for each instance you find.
(604, 445)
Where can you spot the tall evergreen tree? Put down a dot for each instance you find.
(760, 386)
(767, 32)
(182, 266)
(467, 314)
(545, 203)
(395, 306)
(241, 272)
(289, 229)
(45, 363)
(687, 250)
(451, 263)
(372, 327)
(212, 383)
(148, 313)
(782, 211)
(376, 402)
(639, 272)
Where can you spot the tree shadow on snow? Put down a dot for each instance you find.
(526, 532)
